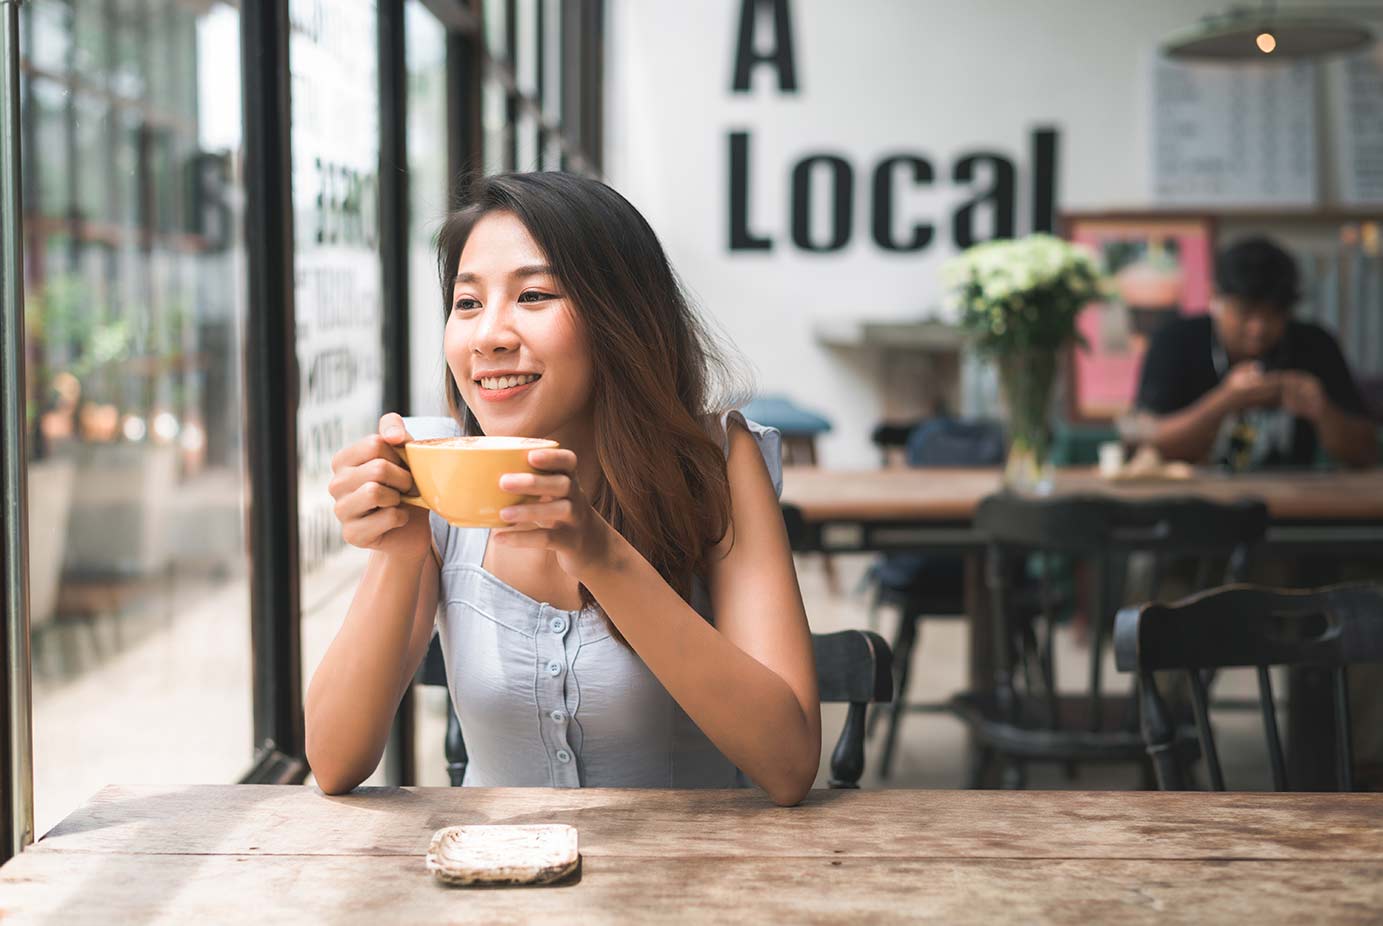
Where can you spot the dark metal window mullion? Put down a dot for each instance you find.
(400, 766)
(593, 66)
(74, 214)
(570, 67)
(511, 99)
(465, 80)
(271, 399)
(16, 687)
(539, 76)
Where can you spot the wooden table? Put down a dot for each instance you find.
(910, 509)
(242, 853)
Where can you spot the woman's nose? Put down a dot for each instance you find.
(495, 330)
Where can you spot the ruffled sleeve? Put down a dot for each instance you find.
(770, 443)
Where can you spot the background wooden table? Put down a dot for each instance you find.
(1347, 501)
(289, 854)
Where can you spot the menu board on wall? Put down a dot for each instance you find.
(335, 91)
(1358, 118)
(1233, 135)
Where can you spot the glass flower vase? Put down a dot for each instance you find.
(1026, 378)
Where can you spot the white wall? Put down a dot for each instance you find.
(934, 77)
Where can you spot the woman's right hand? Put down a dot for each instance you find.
(369, 477)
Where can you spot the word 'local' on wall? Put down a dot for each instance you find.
(886, 176)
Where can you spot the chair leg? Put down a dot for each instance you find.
(874, 599)
(981, 760)
(1147, 776)
(847, 760)
(902, 660)
(875, 710)
(1015, 776)
(457, 757)
(828, 568)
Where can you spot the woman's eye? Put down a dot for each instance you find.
(535, 296)
(464, 304)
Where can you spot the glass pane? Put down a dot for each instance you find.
(138, 566)
(527, 141)
(552, 152)
(552, 62)
(425, 41)
(335, 89)
(496, 127)
(496, 35)
(526, 68)
(47, 185)
(47, 35)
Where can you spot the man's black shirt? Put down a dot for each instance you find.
(1180, 367)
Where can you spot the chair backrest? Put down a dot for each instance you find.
(1247, 626)
(1101, 529)
(956, 442)
(854, 667)
(1087, 525)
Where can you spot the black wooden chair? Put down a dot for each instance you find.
(926, 585)
(853, 667)
(1247, 626)
(1038, 724)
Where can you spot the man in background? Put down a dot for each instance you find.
(1248, 386)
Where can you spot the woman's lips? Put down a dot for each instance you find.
(502, 395)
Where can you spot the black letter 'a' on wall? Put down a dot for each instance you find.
(843, 196)
(999, 196)
(883, 203)
(741, 238)
(780, 57)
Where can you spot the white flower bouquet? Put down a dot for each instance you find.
(1023, 294)
(1019, 301)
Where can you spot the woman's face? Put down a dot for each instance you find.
(512, 341)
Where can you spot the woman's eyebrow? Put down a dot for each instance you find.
(533, 270)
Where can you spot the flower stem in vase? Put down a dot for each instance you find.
(1027, 377)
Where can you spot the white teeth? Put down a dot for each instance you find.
(506, 382)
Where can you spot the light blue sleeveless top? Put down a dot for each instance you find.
(550, 697)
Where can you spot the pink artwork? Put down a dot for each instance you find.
(1161, 266)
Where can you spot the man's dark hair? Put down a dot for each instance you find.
(1259, 272)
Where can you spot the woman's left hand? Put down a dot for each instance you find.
(560, 520)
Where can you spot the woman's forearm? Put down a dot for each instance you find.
(746, 709)
(356, 689)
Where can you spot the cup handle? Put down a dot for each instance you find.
(414, 500)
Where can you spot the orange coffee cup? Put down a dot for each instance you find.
(458, 477)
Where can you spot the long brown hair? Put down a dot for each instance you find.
(661, 376)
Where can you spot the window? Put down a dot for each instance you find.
(333, 55)
(135, 300)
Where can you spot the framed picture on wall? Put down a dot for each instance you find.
(1162, 266)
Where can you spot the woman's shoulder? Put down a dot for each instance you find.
(767, 440)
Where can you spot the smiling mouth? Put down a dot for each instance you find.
(501, 383)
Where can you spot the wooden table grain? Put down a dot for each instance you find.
(290, 854)
(952, 494)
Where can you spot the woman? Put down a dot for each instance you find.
(639, 624)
